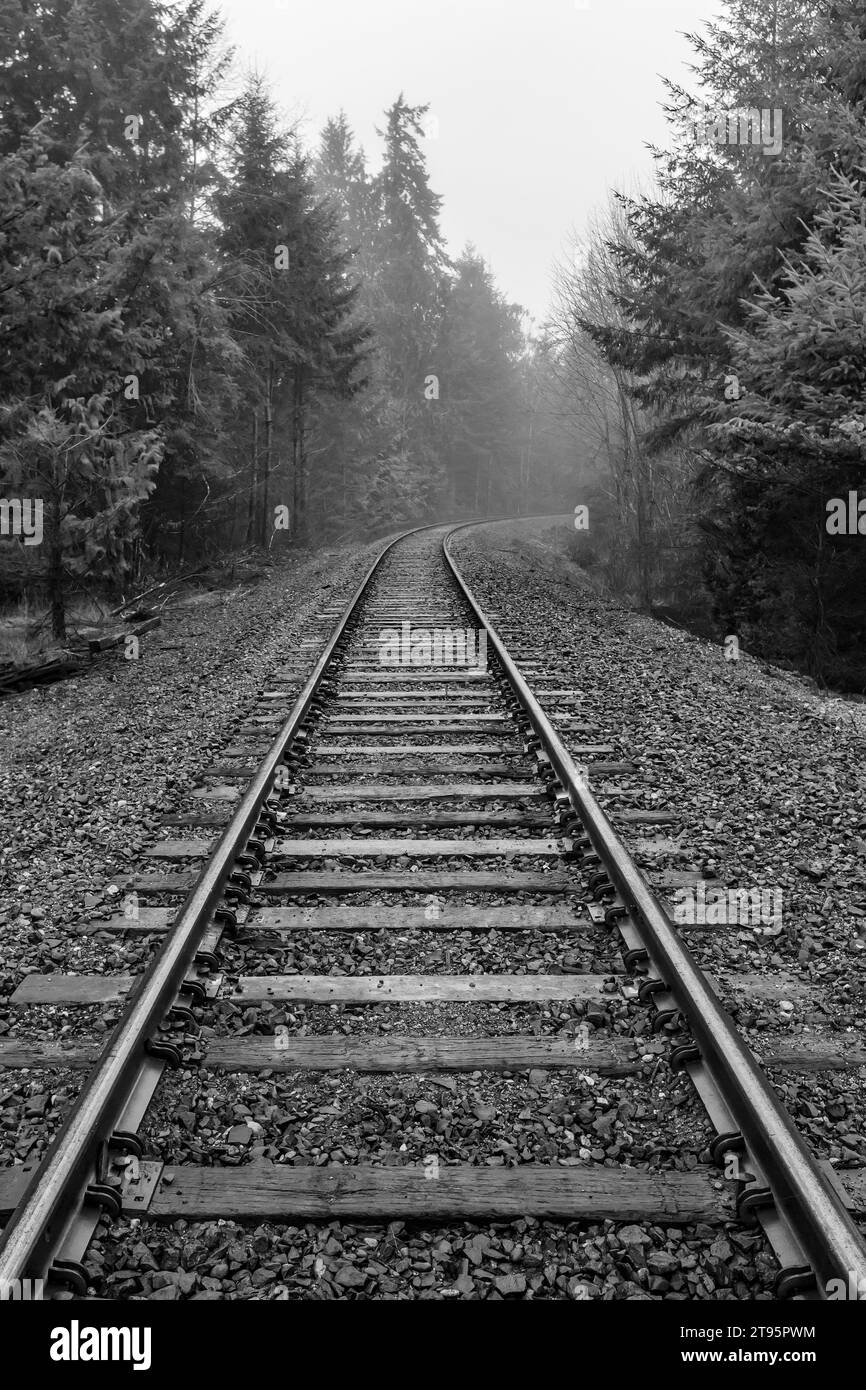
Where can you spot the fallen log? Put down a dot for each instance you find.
(114, 639)
(38, 673)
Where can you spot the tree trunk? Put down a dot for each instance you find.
(54, 573)
(299, 504)
(296, 453)
(268, 445)
(181, 542)
(251, 512)
(302, 459)
(642, 537)
(525, 484)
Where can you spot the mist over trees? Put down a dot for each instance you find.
(710, 343)
(220, 332)
(213, 336)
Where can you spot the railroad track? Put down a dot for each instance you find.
(424, 799)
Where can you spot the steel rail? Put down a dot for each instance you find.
(57, 1190)
(804, 1196)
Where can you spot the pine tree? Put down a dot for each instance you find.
(330, 335)
(66, 438)
(796, 439)
(296, 300)
(724, 212)
(119, 91)
(479, 350)
(252, 241)
(340, 175)
(409, 254)
(729, 225)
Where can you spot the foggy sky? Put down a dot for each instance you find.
(541, 106)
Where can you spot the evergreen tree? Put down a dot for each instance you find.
(480, 345)
(296, 301)
(340, 175)
(106, 72)
(796, 440)
(730, 223)
(410, 256)
(406, 296)
(122, 90)
(65, 281)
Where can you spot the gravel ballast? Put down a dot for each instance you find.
(100, 761)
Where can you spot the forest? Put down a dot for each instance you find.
(217, 334)
(710, 333)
